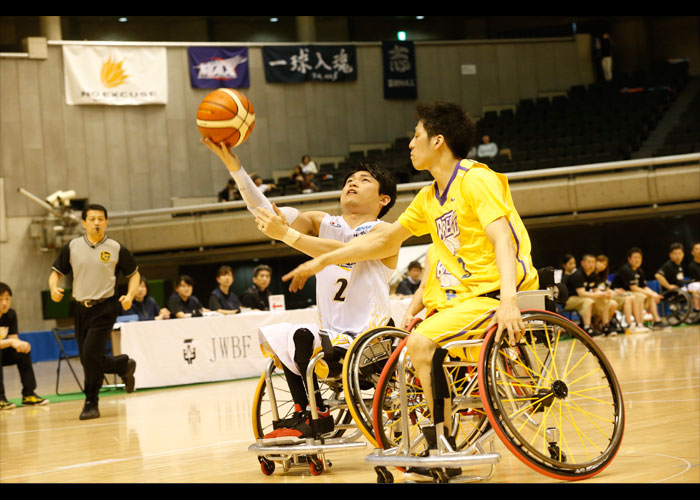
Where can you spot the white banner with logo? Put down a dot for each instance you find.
(209, 349)
(121, 76)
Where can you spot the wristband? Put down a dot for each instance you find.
(291, 236)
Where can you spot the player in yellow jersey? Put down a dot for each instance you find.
(477, 233)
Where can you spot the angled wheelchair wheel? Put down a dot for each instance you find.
(679, 304)
(395, 428)
(262, 405)
(362, 366)
(553, 399)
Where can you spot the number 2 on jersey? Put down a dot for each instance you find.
(341, 289)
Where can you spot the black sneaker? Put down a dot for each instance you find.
(128, 377)
(302, 427)
(424, 474)
(90, 411)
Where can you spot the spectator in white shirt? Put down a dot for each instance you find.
(487, 149)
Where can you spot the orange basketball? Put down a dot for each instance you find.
(226, 116)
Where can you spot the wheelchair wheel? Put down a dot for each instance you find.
(468, 422)
(262, 412)
(553, 399)
(362, 367)
(679, 304)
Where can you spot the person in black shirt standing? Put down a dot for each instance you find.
(95, 260)
(631, 278)
(222, 299)
(257, 296)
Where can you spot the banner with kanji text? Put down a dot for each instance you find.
(304, 63)
(399, 63)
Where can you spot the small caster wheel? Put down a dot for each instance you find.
(439, 476)
(267, 466)
(315, 466)
(383, 475)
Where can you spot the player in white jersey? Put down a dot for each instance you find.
(351, 297)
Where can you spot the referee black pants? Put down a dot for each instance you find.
(93, 329)
(10, 356)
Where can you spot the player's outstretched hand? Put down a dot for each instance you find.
(275, 225)
(298, 276)
(233, 164)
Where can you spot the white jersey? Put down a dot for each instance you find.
(351, 299)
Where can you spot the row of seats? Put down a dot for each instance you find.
(684, 137)
(602, 122)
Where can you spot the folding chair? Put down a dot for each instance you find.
(62, 334)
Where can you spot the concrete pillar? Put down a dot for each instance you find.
(306, 28)
(51, 27)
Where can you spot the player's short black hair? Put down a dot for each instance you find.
(387, 183)
(675, 246)
(5, 288)
(94, 206)
(451, 121)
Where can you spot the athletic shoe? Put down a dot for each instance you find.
(128, 377)
(5, 404)
(658, 325)
(591, 331)
(300, 426)
(90, 411)
(637, 329)
(34, 400)
(424, 474)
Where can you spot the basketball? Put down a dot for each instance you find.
(227, 116)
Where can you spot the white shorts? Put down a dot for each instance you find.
(278, 341)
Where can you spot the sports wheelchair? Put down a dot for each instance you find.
(676, 306)
(553, 400)
(349, 395)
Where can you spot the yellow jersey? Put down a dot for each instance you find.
(441, 287)
(456, 219)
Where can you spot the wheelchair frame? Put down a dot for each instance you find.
(437, 461)
(289, 452)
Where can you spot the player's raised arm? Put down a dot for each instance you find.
(253, 197)
(383, 241)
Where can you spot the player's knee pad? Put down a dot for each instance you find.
(303, 346)
(441, 388)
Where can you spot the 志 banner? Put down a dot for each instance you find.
(399, 62)
(120, 76)
(217, 67)
(304, 63)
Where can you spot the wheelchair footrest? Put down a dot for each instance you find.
(382, 457)
(283, 446)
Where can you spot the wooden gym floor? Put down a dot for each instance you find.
(201, 434)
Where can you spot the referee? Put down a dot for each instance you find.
(95, 260)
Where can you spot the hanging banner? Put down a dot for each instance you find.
(399, 62)
(120, 76)
(217, 67)
(304, 63)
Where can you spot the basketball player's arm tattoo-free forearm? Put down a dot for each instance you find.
(384, 240)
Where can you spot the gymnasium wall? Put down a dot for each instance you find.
(139, 157)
